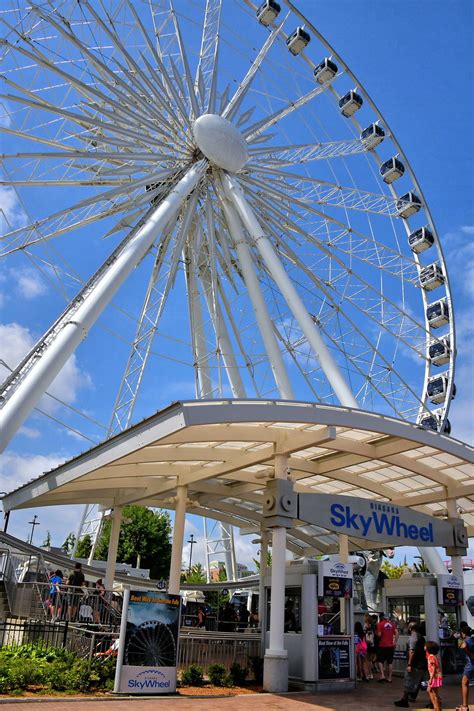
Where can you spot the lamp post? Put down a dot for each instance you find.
(33, 523)
(191, 544)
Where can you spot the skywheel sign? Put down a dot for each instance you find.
(377, 521)
(148, 647)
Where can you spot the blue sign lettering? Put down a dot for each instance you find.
(384, 520)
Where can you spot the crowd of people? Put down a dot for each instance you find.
(376, 640)
(72, 598)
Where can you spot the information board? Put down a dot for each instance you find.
(148, 647)
(334, 579)
(334, 659)
(450, 590)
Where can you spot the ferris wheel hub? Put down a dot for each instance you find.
(220, 142)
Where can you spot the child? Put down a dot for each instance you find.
(434, 670)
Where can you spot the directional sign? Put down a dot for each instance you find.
(374, 520)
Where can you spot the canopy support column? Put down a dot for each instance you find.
(344, 558)
(264, 537)
(456, 560)
(113, 548)
(178, 538)
(275, 669)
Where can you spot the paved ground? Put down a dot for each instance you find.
(367, 697)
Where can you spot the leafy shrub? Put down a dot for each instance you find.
(217, 674)
(192, 676)
(256, 664)
(238, 674)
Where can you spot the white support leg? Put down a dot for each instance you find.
(178, 538)
(331, 370)
(95, 537)
(275, 670)
(258, 302)
(56, 352)
(113, 547)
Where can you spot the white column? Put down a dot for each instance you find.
(73, 331)
(456, 560)
(178, 538)
(275, 672)
(261, 587)
(344, 558)
(291, 296)
(113, 547)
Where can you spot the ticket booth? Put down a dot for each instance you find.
(319, 624)
(434, 602)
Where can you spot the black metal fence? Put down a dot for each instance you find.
(88, 643)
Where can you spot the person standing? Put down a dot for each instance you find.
(387, 635)
(75, 581)
(466, 643)
(416, 666)
(436, 678)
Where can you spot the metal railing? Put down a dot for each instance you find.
(59, 603)
(217, 648)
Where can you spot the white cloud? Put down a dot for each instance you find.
(5, 118)
(468, 229)
(17, 469)
(28, 283)
(16, 342)
(30, 432)
(12, 215)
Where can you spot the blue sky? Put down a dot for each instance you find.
(414, 61)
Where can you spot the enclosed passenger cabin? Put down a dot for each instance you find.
(298, 40)
(391, 170)
(432, 421)
(267, 12)
(409, 204)
(431, 277)
(438, 388)
(440, 351)
(325, 71)
(350, 103)
(372, 136)
(421, 240)
(437, 313)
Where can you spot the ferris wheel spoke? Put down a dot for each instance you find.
(255, 131)
(74, 216)
(411, 336)
(358, 246)
(205, 82)
(306, 153)
(147, 325)
(233, 106)
(323, 192)
(335, 300)
(187, 69)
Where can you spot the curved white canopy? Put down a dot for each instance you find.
(224, 450)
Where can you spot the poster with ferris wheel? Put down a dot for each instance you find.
(148, 647)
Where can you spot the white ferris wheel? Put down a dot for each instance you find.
(207, 184)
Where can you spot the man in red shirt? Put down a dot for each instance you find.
(387, 634)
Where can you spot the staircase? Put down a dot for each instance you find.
(4, 606)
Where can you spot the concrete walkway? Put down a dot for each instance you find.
(367, 697)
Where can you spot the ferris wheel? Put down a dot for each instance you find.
(209, 185)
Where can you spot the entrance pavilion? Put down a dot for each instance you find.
(214, 458)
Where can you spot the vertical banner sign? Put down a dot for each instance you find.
(450, 590)
(334, 658)
(334, 579)
(148, 649)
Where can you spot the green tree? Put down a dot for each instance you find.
(144, 537)
(393, 571)
(269, 561)
(47, 541)
(68, 544)
(84, 546)
(196, 575)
